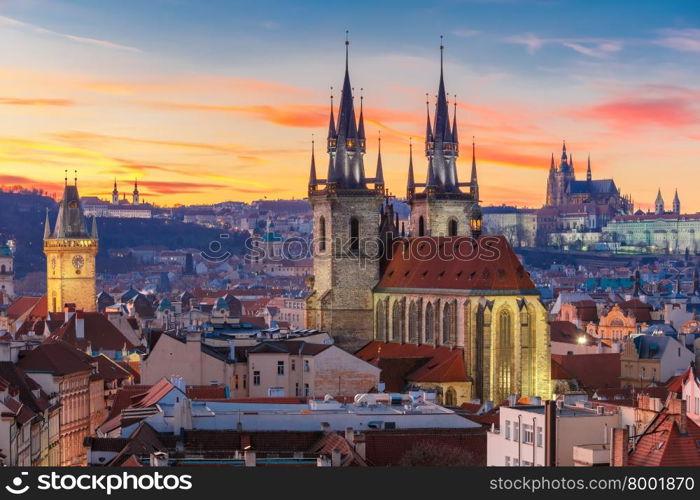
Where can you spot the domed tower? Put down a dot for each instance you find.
(70, 255)
(442, 208)
(346, 229)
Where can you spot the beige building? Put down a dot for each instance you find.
(652, 359)
(267, 369)
(519, 226)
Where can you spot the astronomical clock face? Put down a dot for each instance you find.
(78, 262)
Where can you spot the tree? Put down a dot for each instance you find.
(430, 454)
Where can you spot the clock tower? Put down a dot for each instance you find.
(70, 255)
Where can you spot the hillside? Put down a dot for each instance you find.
(22, 219)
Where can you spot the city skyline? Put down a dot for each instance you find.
(209, 122)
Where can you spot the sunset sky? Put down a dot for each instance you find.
(206, 101)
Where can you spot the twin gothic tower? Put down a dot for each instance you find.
(354, 223)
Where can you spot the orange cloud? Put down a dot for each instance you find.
(21, 101)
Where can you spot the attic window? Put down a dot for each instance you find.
(425, 273)
(441, 274)
(472, 274)
(485, 274)
(458, 275)
(391, 272)
(406, 273)
(501, 274)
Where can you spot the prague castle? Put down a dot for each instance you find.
(457, 306)
(70, 255)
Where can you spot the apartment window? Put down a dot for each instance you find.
(294, 365)
(540, 437)
(235, 381)
(528, 435)
(507, 461)
(296, 389)
(306, 390)
(280, 368)
(507, 429)
(306, 365)
(516, 462)
(256, 378)
(526, 463)
(245, 381)
(516, 432)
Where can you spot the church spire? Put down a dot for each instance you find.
(47, 226)
(563, 151)
(474, 183)
(428, 126)
(312, 172)
(93, 233)
(589, 174)
(442, 131)
(659, 203)
(411, 184)
(552, 166)
(332, 134)
(361, 127)
(346, 167)
(455, 139)
(676, 203)
(379, 178)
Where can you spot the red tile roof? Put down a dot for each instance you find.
(56, 357)
(455, 263)
(568, 333)
(664, 445)
(593, 371)
(99, 333)
(415, 363)
(36, 307)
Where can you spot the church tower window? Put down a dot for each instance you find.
(429, 324)
(421, 226)
(452, 227)
(354, 234)
(504, 356)
(322, 234)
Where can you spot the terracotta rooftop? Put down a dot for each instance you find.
(455, 263)
(592, 371)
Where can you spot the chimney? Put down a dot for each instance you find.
(80, 324)
(249, 457)
(619, 451)
(550, 433)
(335, 457)
(350, 435)
(68, 311)
(682, 419)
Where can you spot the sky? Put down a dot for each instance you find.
(205, 101)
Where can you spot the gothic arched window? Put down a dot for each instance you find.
(504, 356)
(413, 323)
(429, 323)
(322, 234)
(421, 226)
(380, 319)
(354, 234)
(448, 324)
(452, 227)
(396, 321)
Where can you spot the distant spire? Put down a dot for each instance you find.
(347, 45)
(66, 176)
(474, 181)
(312, 172)
(571, 162)
(411, 184)
(552, 166)
(47, 226)
(94, 228)
(331, 126)
(589, 175)
(115, 184)
(563, 151)
(676, 203)
(455, 139)
(361, 127)
(379, 178)
(442, 119)
(75, 177)
(428, 127)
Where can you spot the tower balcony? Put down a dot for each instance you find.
(72, 243)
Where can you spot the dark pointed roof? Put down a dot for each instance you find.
(411, 179)
(70, 222)
(379, 178)
(312, 173)
(474, 181)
